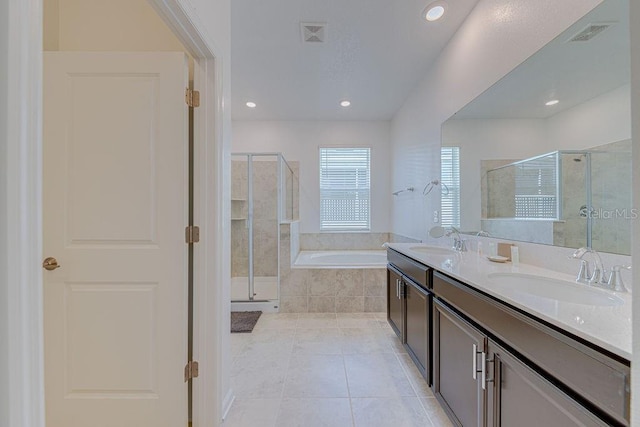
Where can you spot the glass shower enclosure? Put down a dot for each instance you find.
(262, 189)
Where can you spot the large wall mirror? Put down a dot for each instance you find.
(545, 153)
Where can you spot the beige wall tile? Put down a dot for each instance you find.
(322, 304)
(349, 304)
(293, 304)
(322, 283)
(295, 283)
(375, 282)
(375, 304)
(349, 282)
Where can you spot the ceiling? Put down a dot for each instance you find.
(375, 53)
(572, 72)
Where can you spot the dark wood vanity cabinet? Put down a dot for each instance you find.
(457, 356)
(495, 366)
(491, 364)
(395, 301)
(518, 396)
(409, 308)
(417, 322)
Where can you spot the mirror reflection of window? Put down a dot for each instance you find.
(450, 177)
(537, 188)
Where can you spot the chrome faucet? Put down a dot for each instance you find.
(459, 244)
(584, 275)
(615, 278)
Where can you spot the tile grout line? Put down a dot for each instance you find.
(286, 372)
(405, 370)
(346, 377)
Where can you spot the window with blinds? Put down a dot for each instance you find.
(450, 177)
(345, 181)
(537, 188)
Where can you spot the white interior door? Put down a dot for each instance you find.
(115, 210)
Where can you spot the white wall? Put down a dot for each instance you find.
(601, 120)
(300, 140)
(496, 37)
(4, 291)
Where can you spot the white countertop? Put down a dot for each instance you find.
(608, 327)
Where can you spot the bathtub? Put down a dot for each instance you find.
(341, 259)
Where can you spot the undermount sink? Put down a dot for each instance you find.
(517, 284)
(432, 250)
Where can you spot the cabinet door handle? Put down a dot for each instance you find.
(475, 362)
(397, 288)
(484, 371)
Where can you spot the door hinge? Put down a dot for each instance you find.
(192, 234)
(191, 370)
(192, 98)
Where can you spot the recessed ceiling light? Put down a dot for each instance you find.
(251, 104)
(434, 11)
(552, 102)
(345, 103)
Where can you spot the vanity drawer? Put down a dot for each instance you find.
(596, 377)
(415, 271)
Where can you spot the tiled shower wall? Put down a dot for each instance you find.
(611, 185)
(265, 219)
(265, 216)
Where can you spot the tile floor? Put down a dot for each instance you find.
(327, 369)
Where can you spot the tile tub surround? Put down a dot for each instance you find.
(354, 370)
(342, 241)
(333, 290)
(329, 290)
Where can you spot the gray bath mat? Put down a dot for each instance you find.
(244, 321)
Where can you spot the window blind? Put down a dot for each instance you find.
(450, 177)
(345, 180)
(536, 188)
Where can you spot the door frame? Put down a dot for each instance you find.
(22, 214)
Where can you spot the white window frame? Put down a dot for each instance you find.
(359, 191)
(450, 179)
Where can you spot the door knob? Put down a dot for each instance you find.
(50, 264)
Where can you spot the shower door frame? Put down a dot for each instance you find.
(587, 188)
(270, 304)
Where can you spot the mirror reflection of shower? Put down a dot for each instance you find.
(570, 198)
(264, 191)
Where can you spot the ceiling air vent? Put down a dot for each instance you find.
(590, 31)
(313, 32)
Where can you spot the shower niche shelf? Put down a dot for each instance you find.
(239, 209)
